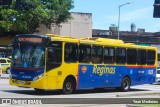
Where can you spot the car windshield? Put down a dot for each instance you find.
(28, 56)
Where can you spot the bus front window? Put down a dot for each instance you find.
(37, 58)
(28, 57)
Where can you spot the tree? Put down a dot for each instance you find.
(25, 16)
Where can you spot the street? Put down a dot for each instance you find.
(143, 91)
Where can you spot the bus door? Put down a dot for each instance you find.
(53, 62)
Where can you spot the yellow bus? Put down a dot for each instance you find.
(65, 63)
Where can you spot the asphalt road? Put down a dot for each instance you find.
(7, 91)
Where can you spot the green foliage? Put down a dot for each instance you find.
(27, 16)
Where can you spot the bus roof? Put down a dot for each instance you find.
(105, 40)
(98, 41)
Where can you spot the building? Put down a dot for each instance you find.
(79, 26)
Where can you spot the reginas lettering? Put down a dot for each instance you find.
(100, 70)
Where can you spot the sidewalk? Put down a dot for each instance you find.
(4, 76)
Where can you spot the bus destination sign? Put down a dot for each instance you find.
(30, 39)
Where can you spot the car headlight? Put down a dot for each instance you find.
(38, 77)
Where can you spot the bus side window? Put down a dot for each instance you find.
(131, 56)
(84, 53)
(151, 55)
(141, 57)
(120, 55)
(71, 52)
(109, 56)
(97, 53)
(54, 58)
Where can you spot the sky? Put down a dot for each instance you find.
(105, 13)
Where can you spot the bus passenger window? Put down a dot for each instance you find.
(131, 56)
(141, 57)
(97, 54)
(109, 57)
(84, 53)
(151, 55)
(71, 52)
(120, 55)
(54, 58)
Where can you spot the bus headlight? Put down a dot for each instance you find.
(38, 77)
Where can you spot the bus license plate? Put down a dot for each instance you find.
(21, 82)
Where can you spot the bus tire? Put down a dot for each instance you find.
(39, 90)
(7, 70)
(68, 86)
(125, 85)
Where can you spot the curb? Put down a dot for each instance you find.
(138, 94)
(136, 106)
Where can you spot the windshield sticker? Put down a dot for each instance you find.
(25, 64)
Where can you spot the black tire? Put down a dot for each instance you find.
(68, 86)
(125, 85)
(39, 90)
(8, 70)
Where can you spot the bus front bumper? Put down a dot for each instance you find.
(39, 84)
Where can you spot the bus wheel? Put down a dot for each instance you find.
(39, 90)
(8, 70)
(68, 86)
(125, 85)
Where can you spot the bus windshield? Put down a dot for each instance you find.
(28, 56)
